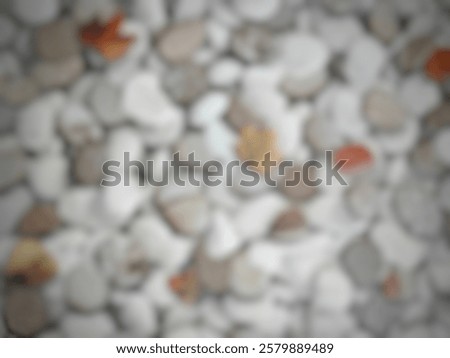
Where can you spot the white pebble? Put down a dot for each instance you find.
(98, 325)
(209, 108)
(419, 95)
(256, 10)
(36, 12)
(246, 279)
(13, 206)
(225, 73)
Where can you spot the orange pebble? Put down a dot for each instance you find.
(357, 156)
(438, 65)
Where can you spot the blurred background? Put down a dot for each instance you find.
(85, 81)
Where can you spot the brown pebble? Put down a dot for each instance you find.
(301, 191)
(438, 118)
(30, 263)
(88, 163)
(25, 311)
(391, 286)
(240, 116)
(179, 42)
(383, 111)
(39, 220)
(415, 53)
(289, 220)
(214, 275)
(186, 285)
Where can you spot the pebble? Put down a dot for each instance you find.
(384, 111)
(178, 43)
(36, 13)
(415, 53)
(439, 118)
(290, 221)
(390, 239)
(214, 273)
(7, 30)
(239, 115)
(255, 11)
(12, 162)
(153, 14)
(25, 313)
(441, 146)
(188, 10)
(30, 263)
(417, 209)
(19, 91)
(86, 289)
(444, 194)
(218, 36)
(320, 133)
(136, 315)
(225, 73)
(363, 198)
(13, 206)
(88, 163)
(419, 95)
(185, 83)
(146, 104)
(246, 280)
(340, 32)
(41, 219)
(364, 62)
(77, 125)
(186, 285)
(105, 101)
(221, 240)
(363, 262)
(188, 216)
(438, 266)
(96, 325)
(250, 43)
(423, 159)
(57, 40)
(36, 122)
(48, 176)
(300, 192)
(383, 22)
(211, 107)
(60, 73)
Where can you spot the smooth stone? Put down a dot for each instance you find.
(255, 11)
(340, 32)
(221, 240)
(363, 198)
(96, 325)
(225, 73)
(153, 13)
(246, 280)
(383, 22)
(211, 107)
(25, 311)
(214, 274)
(390, 239)
(384, 111)
(439, 118)
(88, 163)
(424, 160)
(57, 40)
(19, 91)
(13, 206)
(415, 53)
(301, 191)
(77, 125)
(41, 219)
(125, 261)
(419, 94)
(105, 101)
(36, 12)
(363, 262)
(364, 62)
(289, 224)
(190, 9)
(188, 216)
(192, 142)
(123, 140)
(334, 325)
(250, 43)
(12, 162)
(320, 133)
(36, 122)
(136, 314)
(7, 30)
(50, 74)
(48, 176)
(86, 288)
(147, 105)
(179, 42)
(185, 83)
(417, 209)
(239, 115)
(438, 266)
(218, 36)
(441, 146)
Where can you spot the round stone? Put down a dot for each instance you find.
(50, 74)
(39, 220)
(57, 40)
(383, 22)
(363, 262)
(25, 311)
(210, 107)
(86, 288)
(185, 83)
(36, 12)
(225, 73)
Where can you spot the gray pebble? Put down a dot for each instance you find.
(12, 162)
(185, 83)
(250, 43)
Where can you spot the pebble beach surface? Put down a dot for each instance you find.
(86, 81)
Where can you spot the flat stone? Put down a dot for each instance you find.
(12, 162)
(250, 43)
(88, 163)
(417, 209)
(214, 274)
(41, 219)
(35, 13)
(13, 206)
(30, 263)
(57, 40)
(188, 216)
(185, 83)
(246, 280)
(416, 52)
(86, 288)
(383, 22)
(25, 311)
(179, 43)
(96, 325)
(384, 111)
(51, 74)
(363, 262)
